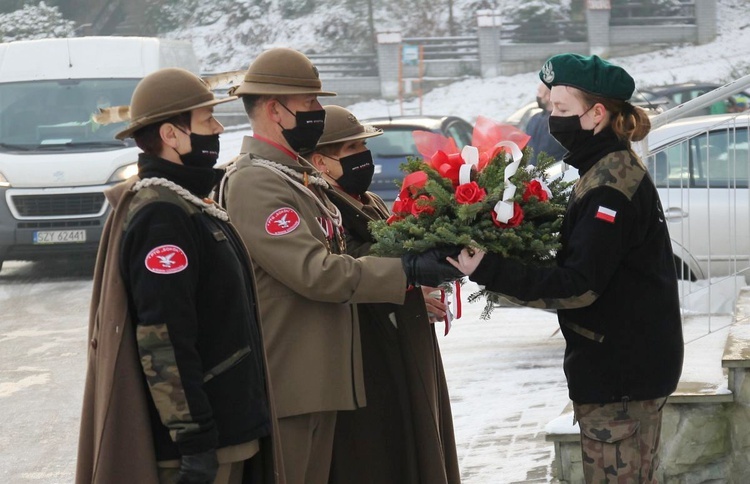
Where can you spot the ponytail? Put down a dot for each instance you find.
(629, 123)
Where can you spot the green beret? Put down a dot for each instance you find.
(588, 73)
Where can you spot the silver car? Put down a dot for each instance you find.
(700, 168)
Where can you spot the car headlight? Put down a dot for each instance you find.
(123, 173)
(4, 183)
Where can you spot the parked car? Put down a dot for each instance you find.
(521, 117)
(392, 148)
(700, 166)
(675, 94)
(55, 162)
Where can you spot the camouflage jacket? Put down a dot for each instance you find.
(191, 296)
(614, 286)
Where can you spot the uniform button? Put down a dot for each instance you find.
(93, 343)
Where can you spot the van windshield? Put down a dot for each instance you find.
(58, 114)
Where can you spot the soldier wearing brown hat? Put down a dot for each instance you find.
(407, 421)
(176, 387)
(306, 282)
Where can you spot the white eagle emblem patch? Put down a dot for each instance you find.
(548, 74)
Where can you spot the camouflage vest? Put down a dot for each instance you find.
(621, 170)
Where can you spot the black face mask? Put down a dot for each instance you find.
(357, 172)
(205, 151)
(307, 131)
(568, 132)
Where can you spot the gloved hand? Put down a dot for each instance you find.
(430, 268)
(198, 468)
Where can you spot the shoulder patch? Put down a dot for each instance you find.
(606, 214)
(282, 221)
(166, 259)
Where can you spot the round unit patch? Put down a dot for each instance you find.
(282, 221)
(166, 259)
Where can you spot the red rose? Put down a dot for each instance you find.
(535, 189)
(403, 205)
(514, 221)
(422, 204)
(470, 193)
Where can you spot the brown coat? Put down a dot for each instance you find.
(304, 290)
(405, 434)
(115, 440)
(115, 443)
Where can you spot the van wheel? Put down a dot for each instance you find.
(683, 270)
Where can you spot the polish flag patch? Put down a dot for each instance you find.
(166, 259)
(606, 214)
(282, 221)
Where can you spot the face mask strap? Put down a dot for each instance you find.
(331, 157)
(287, 109)
(182, 131)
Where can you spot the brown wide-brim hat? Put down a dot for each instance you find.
(341, 126)
(281, 71)
(166, 93)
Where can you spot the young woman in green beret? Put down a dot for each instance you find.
(614, 285)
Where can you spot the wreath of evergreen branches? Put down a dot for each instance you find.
(535, 240)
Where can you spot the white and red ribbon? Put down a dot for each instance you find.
(454, 302)
(470, 155)
(504, 208)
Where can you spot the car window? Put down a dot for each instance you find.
(461, 133)
(717, 159)
(393, 143)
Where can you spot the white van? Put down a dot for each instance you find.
(55, 161)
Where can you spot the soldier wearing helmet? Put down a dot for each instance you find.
(306, 283)
(176, 387)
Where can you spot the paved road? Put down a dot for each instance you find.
(505, 379)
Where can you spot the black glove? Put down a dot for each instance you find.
(198, 468)
(430, 268)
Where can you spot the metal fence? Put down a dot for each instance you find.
(447, 48)
(349, 65)
(561, 31)
(648, 13)
(701, 168)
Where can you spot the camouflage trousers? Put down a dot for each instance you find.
(620, 441)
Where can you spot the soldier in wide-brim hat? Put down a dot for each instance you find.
(306, 283)
(176, 387)
(407, 420)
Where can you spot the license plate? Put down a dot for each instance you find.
(59, 236)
